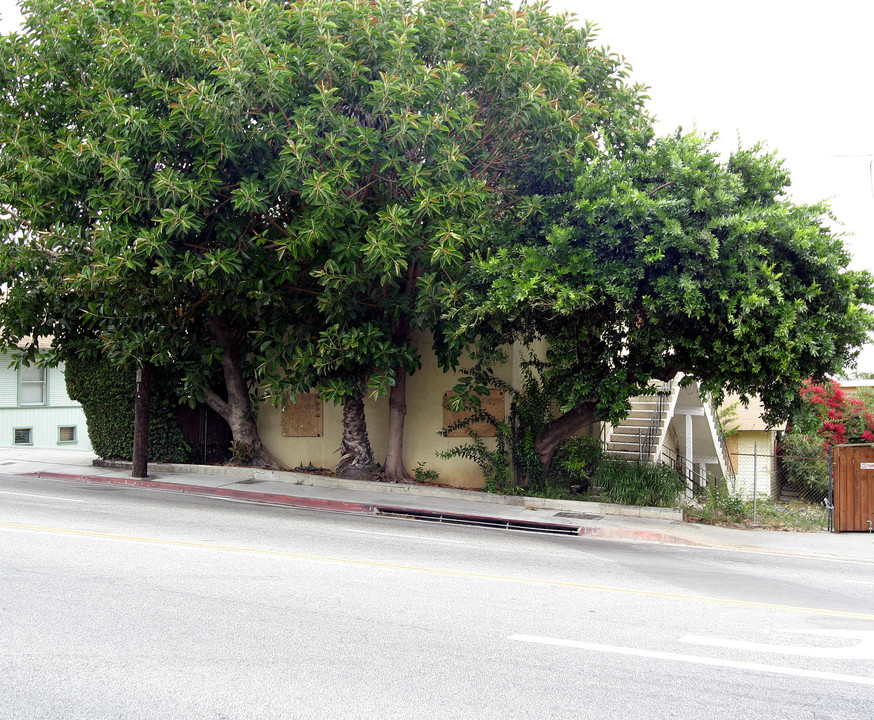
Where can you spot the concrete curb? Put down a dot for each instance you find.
(589, 531)
(248, 495)
(655, 536)
(299, 478)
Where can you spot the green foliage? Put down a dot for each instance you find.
(804, 464)
(632, 482)
(313, 175)
(794, 515)
(495, 463)
(241, 454)
(513, 462)
(666, 259)
(107, 395)
(513, 466)
(576, 461)
(421, 474)
(414, 130)
(728, 419)
(722, 507)
(719, 505)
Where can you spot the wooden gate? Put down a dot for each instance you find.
(854, 487)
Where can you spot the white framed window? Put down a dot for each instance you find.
(22, 436)
(31, 385)
(66, 434)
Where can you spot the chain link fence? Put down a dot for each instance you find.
(794, 488)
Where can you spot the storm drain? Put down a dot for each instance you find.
(449, 519)
(578, 516)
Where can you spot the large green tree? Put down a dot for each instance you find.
(278, 194)
(427, 122)
(136, 215)
(665, 259)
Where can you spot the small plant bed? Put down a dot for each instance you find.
(724, 508)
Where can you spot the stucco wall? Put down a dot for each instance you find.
(756, 463)
(425, 390)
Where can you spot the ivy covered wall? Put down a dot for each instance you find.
(107, 395)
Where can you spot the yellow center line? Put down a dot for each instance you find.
(438, 571)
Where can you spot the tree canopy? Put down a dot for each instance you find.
(665, 259)
(274, 196)
(277, 194)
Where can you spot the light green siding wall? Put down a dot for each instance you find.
(46, 420)
(58, 388)
(8, 383)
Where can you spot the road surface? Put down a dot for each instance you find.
(128, 603)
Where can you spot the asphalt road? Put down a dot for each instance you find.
(125, 603)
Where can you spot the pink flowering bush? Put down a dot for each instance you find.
(842, 418)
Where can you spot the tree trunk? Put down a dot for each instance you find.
(356, 456)
(237, 409)
(557, 431)
(397, 412)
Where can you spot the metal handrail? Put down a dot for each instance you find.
(653, 432)
(689, 470)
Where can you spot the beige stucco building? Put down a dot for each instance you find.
(753, 450)
(310, 432)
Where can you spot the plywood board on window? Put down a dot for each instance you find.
(493, 403)
(303, 418)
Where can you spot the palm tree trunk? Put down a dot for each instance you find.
(356, 455)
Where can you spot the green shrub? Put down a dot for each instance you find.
(513, 461)
(107, 393)
(633, 482)
(575, 462)
(804, 464)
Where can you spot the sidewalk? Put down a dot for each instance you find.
(595, 520)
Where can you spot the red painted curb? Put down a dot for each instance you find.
(267, 498)
(590, 531)
(656, 536)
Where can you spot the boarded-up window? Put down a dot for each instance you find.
(493, 403)
(303, 418)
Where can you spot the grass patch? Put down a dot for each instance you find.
(721, 507)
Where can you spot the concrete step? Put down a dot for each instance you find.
(640, 421)
(626, 455)
(628, 440)
(631, 448)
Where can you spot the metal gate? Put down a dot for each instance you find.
(853, 470)
(208, 433)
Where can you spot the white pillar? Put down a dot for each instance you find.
(690, 454)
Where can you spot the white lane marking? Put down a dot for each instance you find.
(44, 497)
(404, 537)
(863, 650)
(694, 659)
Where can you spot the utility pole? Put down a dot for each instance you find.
(142, 402)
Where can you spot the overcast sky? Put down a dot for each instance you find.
(793, 75)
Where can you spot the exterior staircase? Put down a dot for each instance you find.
(642, 433)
